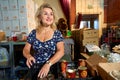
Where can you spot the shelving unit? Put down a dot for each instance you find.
(10, 45)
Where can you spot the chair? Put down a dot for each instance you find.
(68, 50)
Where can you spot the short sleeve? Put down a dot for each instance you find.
(31, 36)
(59, 36)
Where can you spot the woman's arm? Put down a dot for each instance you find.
(59, 53)
(27, 55)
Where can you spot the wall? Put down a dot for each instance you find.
(112, 10)
(18, 15)
(13, 17)
(31, 8)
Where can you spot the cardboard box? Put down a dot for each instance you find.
(90, 33)
(2, 36)
(92, 63)
(94, 41)
(104, 70)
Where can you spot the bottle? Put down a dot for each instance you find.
(105, 48)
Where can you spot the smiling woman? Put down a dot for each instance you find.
(47, 43)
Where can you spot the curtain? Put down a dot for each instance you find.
(65, 5)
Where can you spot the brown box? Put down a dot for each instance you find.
(90, 33)
(94, 41)
(105, 68)
(92, 63)
(2, 36)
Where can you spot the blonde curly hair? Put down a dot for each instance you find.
(38, 13)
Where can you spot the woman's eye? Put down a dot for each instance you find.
(51, 14)
(45, 13)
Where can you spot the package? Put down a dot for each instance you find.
(2, 36)
(90, 33)
(104, 70)
(92, 63)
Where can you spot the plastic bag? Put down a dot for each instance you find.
(4, 56)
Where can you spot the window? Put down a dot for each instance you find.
(89, 21)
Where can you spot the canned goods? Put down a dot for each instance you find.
(71, 73)
(82, 71)
(81, 62)
(64, 65)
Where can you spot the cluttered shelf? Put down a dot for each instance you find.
(10, 45)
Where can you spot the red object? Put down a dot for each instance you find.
(64, 66)
(113, 40)
(82, 72)
(71, 73)
(14, 38)
(81, 62)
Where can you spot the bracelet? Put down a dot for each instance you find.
(48, 62)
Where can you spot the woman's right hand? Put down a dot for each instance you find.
(30, 61)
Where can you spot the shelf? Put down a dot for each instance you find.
(11, 45)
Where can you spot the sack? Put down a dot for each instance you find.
(4, 56)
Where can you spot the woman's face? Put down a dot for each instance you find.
(47, 17)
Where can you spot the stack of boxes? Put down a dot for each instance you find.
(85, 36)
(90, 36)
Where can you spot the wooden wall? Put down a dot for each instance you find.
(112, 11)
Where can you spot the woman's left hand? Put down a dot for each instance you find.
(44, 71)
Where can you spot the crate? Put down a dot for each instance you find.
(105, 68)
(92, 63)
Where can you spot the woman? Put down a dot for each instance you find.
(46, 41)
